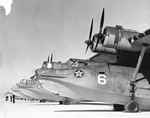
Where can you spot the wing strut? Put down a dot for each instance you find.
(132, 84)
(139, 62)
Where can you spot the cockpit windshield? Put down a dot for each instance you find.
(76, 62)
(34, 78)
(16, 86)
(30, 82)
(44, 64)
(23, 81)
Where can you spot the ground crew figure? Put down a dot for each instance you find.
(6, 98)
(13, 97)
(10, 98)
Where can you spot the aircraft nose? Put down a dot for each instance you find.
(39, 72)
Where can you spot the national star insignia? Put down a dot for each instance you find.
(39, 86)
(78, 73)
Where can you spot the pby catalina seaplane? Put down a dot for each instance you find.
(35, 90)
(56, 88)
(124, 83)
(18, 95)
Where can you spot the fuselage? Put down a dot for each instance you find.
(18, 93)
(103, 82)
(36, 90)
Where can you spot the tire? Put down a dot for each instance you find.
(66, 102)
(132, 106)
(60, 102)
(118, 107)
(42, 100)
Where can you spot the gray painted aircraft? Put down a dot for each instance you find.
(35, 90)
(57, 88)
(125, 83)
(17, 92)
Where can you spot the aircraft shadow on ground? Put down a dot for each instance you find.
(84, 111)
(54, 103)
(44, 104)
(95, 111)
(92, 104)
(81, 110)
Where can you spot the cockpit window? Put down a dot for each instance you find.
(36, 79)
(76, 62)
(30, 82)
(72, 62)
(16, 86)
(44, 64)
(23, 81)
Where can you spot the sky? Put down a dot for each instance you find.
(36, 28)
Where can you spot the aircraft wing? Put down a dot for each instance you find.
(104, 58)
(127, 58)
(140, 39)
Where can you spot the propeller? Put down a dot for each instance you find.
(89, 42)
(48, 60)
(100, 35)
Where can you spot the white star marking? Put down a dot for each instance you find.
(78, 73)
(39, 86)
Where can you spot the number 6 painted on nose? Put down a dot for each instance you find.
(102, 79)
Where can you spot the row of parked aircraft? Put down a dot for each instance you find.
(118, 74)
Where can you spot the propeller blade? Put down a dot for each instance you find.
(101, 22)
(100, 35)
(48, 59)
(88, 42)
(91, 30)
(87, 48)
(97, 43)
(51, 57)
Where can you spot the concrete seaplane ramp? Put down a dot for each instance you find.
(28, 109)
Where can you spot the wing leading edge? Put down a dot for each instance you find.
(141, 38)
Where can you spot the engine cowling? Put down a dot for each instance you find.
(100, 48)
(117, 37)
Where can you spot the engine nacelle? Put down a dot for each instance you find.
(117, 37)
(101, 49)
